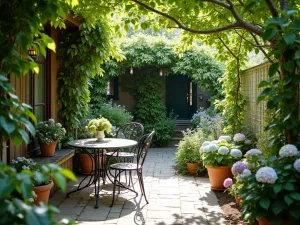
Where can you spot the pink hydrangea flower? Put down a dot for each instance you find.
(227, 182)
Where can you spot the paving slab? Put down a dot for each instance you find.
(173, 199)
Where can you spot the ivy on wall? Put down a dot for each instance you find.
(81, 53)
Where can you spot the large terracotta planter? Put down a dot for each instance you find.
(48, 149)
(87, 163)
(264, 221)
(43, 193)
(192, 168)
(217, 175)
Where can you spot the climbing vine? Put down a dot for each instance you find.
(81, 53)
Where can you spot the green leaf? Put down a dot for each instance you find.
(289, 38)
(289, 187)
(68, 173)
(277, 188)
(23, 39)
(6, 187)
(288, 200)
(277, 207)
(269, 34)
(7, 125)
(289, 66)
(295, 196)
(297, 55)
(263, 83)
(264, 203)
(60, 181)
(273, 69)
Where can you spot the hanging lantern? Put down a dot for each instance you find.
(131, 70)
(32, 53)
(160, 72)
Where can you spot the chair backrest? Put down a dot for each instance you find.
(131, 131)
(143, 147)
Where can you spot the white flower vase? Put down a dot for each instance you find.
(100, 135)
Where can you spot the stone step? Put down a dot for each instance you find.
(174, 142)
(177, 134)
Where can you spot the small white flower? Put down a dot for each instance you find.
(223, 150)
(205, 143)
(225, 138)
(33, 194)
(59, 124)
(236, 153)
(239, 137)
(288, 151)
(31, 199)
(25, 167)
(266, 175)
(245, 173)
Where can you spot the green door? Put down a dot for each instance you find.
(178, 96)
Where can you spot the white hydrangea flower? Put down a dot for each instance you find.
(223, 150)
(33, 194)
(51, 120)
(239, 137)
(225, 138)
(248, 142)
(201, 149)
(205, 143)
(215, 142)
(31, 199)
(212, 147)
(25, 167)
(266, 175)
(288, 151)
(253, 151)
(205, 148)
(59, 124)
(236, 153)
(245, 173)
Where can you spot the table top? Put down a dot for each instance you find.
(106, 143)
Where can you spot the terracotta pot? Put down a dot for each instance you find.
(217, 175)
(87, 164)
(100, 135)
(264, 221)
(48, 149)
(192, 168)
(42, 193)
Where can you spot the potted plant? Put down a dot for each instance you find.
(49, 133)
(98, 126)
(271, 192)
(187, 156)
(218, 157)
(42, 187)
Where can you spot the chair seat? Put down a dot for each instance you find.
(125, 166)
(120, 154)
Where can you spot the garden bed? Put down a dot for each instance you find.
(230, 209)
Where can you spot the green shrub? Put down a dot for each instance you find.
(116, 114)
(188, 150)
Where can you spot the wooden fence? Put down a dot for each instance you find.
(255, 114)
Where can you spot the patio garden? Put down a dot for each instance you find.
(75, 61)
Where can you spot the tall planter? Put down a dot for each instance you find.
(87, 164)
(217, 175)
(48, 149)
(43, 193)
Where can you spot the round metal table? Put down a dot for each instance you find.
(96, 149)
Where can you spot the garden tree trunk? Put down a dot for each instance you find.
(291, 106)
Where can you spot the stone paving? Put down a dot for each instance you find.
(173, 199)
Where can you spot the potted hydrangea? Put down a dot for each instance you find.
(98, 126)
(41, 188)
(271, 190)
(49, 133)
(218, 157)
(241, 142)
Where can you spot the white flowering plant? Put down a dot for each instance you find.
(49, 131)
(101, 124)
(241, 142)
(219, 153)
(270, 188)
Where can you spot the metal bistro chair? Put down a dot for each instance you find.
(142, 150)
(133, 131)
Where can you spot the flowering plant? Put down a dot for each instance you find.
(270, 187)
(49, 131)
(22, 163)
(101, 124)
(241, 142)
(219, 153)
